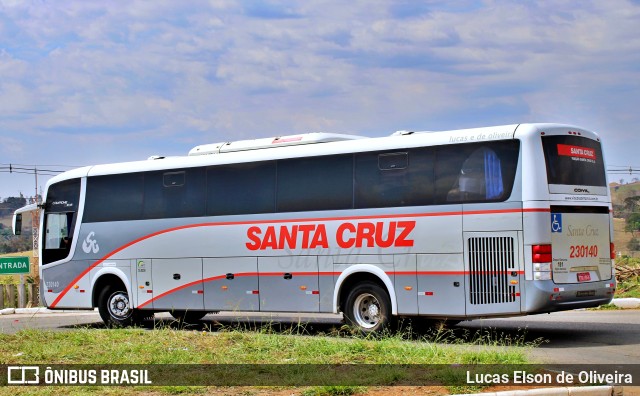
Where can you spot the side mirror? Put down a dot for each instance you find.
(17, 224)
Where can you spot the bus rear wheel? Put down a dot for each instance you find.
(368, 308)
(115, 307)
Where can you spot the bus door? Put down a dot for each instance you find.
(177, 284)
(289, 284)
(231, 284)
(493, 264)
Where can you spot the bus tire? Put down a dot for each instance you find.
(187, 316)
(114, 306)
(368, 308)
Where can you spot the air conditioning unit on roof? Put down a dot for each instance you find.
(279, 141)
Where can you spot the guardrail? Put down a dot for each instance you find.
(23, 295)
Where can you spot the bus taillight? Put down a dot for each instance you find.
(613, 251)
(541, 257)
(541, 253)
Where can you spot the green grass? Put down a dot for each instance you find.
(168, 345)
(174, 346)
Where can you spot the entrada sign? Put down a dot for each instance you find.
(14, 265)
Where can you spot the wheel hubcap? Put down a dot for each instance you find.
(119, 305)
(366, 311)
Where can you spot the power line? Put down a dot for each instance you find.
(29, 171)
(41, 165)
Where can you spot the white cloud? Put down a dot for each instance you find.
(169, 73)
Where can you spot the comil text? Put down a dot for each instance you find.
(348, 235)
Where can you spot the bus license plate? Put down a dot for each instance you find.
(584, 277)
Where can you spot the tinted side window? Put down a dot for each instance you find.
(316, 183)
(482, 172)
(241, 189)
(388, 179)
(175, 193)
(114, 197)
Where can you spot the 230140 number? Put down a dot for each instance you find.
(580, 251)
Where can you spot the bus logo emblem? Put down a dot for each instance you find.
(556, 222)
(90, 245)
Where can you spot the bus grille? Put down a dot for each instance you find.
(491, 261)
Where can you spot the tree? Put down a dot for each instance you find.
(633, 244)
(633, 223)
(14, 202)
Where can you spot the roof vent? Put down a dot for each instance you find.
(402, 133)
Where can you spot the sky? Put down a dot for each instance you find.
(89, 82)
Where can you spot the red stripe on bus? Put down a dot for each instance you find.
(220, 277)
(419, 273)
(171, 291)
(279, 221)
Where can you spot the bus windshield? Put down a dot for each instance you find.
(574, 161)
(59, 221)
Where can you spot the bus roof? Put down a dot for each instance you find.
(307, 145)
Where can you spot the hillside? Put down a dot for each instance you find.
(620, 192)
(6, 221)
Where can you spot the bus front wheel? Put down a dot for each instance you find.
(115, 307)
(368, 308)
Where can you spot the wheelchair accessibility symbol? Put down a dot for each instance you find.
(556, 222)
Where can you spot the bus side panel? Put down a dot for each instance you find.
(58, 278)
(141, 268)
(406, 284)
(231, 284)
(441, 285)
(326, 283)
(177, 284)
(289, 284)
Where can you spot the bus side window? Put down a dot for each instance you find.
(479, 178)
(388, 179)
(57, 230)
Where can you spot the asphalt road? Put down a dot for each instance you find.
(588, 337)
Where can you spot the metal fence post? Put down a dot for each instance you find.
(11, 296)
(33, 294)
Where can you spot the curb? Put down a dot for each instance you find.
(626, 303)
(39, 310)
(607, 390)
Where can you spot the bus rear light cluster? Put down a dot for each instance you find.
(541, 253)
(541, 257)
(542, 276)
(613, 250)
(542, 267)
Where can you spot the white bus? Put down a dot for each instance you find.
(452, 225)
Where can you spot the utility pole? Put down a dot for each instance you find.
(35, 233)
(35, 219)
